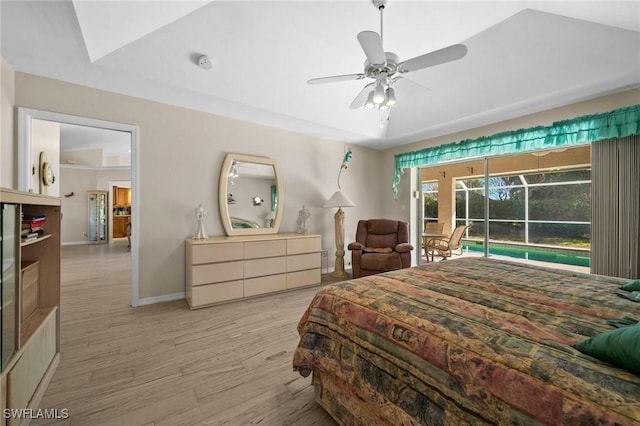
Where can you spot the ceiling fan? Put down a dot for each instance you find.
(386, 69)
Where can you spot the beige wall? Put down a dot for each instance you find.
(75, 208)
(180, 155)
(399, 208)
(8, 153)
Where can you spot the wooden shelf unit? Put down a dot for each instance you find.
(222, 269)
(28, 372)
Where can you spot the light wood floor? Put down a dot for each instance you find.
(164, 364)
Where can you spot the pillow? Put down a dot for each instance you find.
(378, 249)
(620, 347)
(631, 286)
(631, 295)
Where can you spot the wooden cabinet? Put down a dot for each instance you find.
(121, 196)
(29, 366)
(120, 226)
(121, 211)
(226, 268)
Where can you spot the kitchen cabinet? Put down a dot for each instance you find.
(121, 196)
(120, 226)
(121, 211)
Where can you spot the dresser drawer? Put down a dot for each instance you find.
(303, 245)
(303, 278)
(258, 249)
(261, 267)
(209, 253)
(213, 293)
(216, 273)
(300, 262)
(261, 285)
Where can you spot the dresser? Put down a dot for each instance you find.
(221, 269)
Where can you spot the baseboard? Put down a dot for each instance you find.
(160, 299)
(74, 243)
(79, 243)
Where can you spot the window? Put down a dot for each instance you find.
(430, 193)
(544, 208)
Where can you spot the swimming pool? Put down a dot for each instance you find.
(543, 254)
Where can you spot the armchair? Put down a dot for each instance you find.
(381, 245)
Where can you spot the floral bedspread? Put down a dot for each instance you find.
(466, 341)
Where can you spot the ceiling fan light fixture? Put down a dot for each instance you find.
(369, 102)
(378, 94)
(391, 97)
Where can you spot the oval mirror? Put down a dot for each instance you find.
(250, 195)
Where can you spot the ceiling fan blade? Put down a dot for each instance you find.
(407, 84)
(335, 78)
(362, 97)
(437, 57)
(372, 46)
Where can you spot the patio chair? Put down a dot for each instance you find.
(430, 229)
(446, 247)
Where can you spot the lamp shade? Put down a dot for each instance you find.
(378, 94)
(369, 103)
(391, 97)
(338, 199)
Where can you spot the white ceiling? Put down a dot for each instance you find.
(80, 138)
(524, 56)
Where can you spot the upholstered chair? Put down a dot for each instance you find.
(381, 245)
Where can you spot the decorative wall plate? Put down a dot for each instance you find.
(46, 173)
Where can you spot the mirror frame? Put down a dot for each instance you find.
(222, 195)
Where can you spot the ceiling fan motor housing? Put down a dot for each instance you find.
(379, 3)
(387, 69)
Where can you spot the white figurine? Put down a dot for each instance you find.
(201, 213)
(303, 221)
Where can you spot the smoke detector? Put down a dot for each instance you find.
(205, 62)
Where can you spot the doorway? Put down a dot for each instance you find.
(27, 154)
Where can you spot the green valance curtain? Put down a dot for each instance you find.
(578, 131)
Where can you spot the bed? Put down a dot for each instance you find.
(467, 341)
